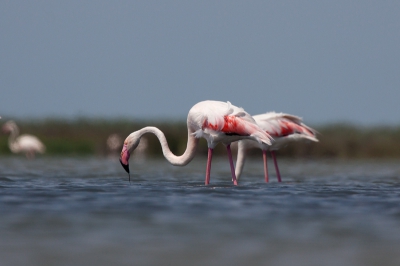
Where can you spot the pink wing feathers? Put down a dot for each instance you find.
(227, 119)
(282, 125)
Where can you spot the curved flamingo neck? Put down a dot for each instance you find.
(12, 143)
(240, 159)
(182, 160)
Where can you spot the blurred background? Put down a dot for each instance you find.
(73, 73)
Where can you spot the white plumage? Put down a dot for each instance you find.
(284, 128)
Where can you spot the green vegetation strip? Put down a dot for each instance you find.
(89, 136)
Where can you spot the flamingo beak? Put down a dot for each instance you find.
(125, 166)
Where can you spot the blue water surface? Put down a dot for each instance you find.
(84, 211)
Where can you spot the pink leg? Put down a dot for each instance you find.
(208, 170)
(265, 166)
(228, 147)
(276, 166)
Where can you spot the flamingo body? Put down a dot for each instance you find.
(27, 144)
(284, 128)
(223, 122)
(217, 122)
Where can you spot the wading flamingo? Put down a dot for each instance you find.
(213, 120)
(284, 128)
(27, 144)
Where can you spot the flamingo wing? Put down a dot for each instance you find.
(282, 125)
(219, 118)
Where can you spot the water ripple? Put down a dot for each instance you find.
(325, 211)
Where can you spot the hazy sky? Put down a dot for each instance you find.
(326, 61)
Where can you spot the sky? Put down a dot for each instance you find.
(326, 61)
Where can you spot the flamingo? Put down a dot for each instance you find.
(217, 122)
(284, 128)
(27, 144)
(114, 144)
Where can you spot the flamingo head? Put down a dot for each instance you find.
(9, 127)
(130, 144)
(124, 158)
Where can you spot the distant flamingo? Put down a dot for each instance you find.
(213, 120)
(114, 144)
(284, 128)
(27, 144)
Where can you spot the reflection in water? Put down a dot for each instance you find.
(76, 211)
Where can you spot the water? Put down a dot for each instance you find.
(83, 211)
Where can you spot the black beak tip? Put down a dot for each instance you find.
(125, 166)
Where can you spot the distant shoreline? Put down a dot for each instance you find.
(85, 136)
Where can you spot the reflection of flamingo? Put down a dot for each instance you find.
(284, 128)
(216, 122)
(27, 144)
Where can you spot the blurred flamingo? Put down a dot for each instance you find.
(284, 128)
(140, 151)
(27, 144)
(213, 120)
(114, 144)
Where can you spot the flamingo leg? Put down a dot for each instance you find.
(208, 170)
(228, 147)
(265, 166)
(30, 154)
(276, 166)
